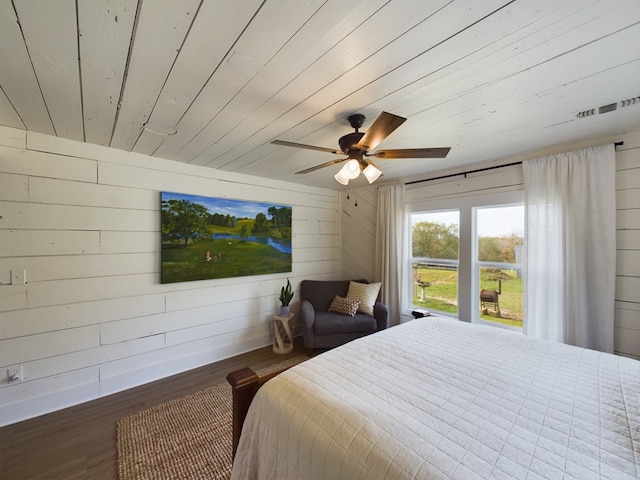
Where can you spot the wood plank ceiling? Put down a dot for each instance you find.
(489, 79)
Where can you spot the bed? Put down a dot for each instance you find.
(443, 399)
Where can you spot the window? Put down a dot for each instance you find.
(435, 243)
(497, 267)
(466, 261)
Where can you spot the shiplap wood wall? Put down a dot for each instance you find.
(627, 313)
(358, 215)
(83, 222)
(358, 223)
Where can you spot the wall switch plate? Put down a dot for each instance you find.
(18, 277)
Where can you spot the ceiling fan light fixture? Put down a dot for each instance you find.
(358, 145)
(372, 173)
(340, 178)
(351, 170)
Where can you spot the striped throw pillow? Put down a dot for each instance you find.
(367, 293)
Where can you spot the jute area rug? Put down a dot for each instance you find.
(186, 438)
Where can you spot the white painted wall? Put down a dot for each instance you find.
(93, 319)
(358, 233)
(358, 238)
(83, 222)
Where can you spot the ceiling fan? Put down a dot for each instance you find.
(357, 145)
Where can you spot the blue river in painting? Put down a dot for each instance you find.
(281, 245)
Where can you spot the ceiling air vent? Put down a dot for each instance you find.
(630, 101)
(609, 108)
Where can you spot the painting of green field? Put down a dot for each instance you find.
(206, 238)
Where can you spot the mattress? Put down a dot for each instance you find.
(437, 398)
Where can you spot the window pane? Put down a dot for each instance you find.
(500, 237)
(435, 235)
(435, 287)
(500, 232)
(501, 296)
(435, 241)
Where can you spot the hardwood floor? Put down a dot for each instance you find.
(80, 442)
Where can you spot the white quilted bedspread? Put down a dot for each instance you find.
(437, 398)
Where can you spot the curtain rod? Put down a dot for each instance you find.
(616, 144)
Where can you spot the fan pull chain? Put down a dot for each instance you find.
(355, 196)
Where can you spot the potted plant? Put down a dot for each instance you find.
(286, 294)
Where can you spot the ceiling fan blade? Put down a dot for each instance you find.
(308, 147)
(412, 153)
(383, 126)
(322, 165)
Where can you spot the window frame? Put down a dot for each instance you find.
(468, 281)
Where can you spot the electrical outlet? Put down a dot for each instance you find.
(15, 374)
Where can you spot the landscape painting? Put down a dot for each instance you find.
(206, 237)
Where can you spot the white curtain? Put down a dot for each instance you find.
(571, 247)
(389, 246)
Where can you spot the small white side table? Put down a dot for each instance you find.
(283, 338)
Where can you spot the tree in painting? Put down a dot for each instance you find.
(183, 220)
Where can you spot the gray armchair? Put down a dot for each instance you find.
(325, 329)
